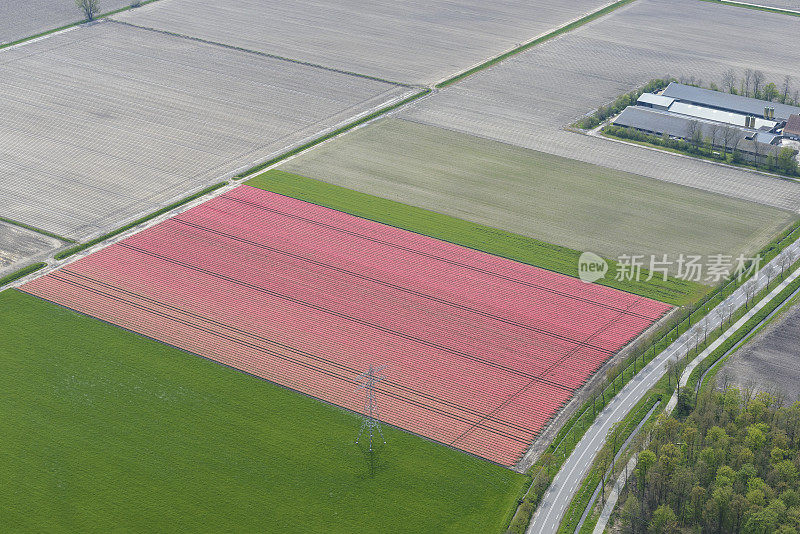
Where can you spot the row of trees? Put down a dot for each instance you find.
(731, 467)
(604, 112)
(754, 84)
(722, 148)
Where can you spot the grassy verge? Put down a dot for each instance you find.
(83, 246)
(334, 133)
(37, 230)
(72, 25)
(106, 430)
(757, 8)
(501, 243)
(745, 332)
(25, 271)
(497, 59)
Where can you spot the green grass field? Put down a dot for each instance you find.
(507, 244)
(553, 199)
(104, 430)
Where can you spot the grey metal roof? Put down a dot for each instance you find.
(727, 101)
(718, 115)
(767, 138)
(654, 99)
(663, 122)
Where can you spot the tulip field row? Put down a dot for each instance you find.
(480, 351)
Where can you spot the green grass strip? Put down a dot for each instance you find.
(72, 25)
(25, 271)
(757, 8)
(83, 246)
(37, 230)
(468, 234)
(334, 133)
(497, 59)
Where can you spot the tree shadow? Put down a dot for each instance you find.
(374, 460)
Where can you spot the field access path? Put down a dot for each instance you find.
(560, 493)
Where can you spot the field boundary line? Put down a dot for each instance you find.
(72, 25)
(756, 7)
(89, 247)
(21, 273)
(37, 230)
(576, 23)
(264, 54)
(344, 128)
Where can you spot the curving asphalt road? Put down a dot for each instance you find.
(567, 481)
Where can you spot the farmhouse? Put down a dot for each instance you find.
(792, 128)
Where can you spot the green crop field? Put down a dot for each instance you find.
(553, 199)
(499, 242)
(104, 430)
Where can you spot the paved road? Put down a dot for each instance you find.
(568, 479)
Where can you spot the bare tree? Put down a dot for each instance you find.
(787, 82)
(769, 272)
(694, 133)
(713, 134)
(728, 310)
(757, 152)
(89, 8)
(748, 76)
(729, 80)
(784, 262)
(758, 79)
(729, 134)
(749, 292)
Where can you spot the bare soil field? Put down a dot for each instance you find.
(107, 122)
(553, 199)
(528, 99)
(19, 246)
(23, 18)
(771, 361)
(793, 5)
(414, 41)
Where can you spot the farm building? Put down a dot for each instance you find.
(723, 118)
(659, 122)
(728, 102)
(755, 150)
(792, 128)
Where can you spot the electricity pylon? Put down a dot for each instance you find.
(371, 421)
